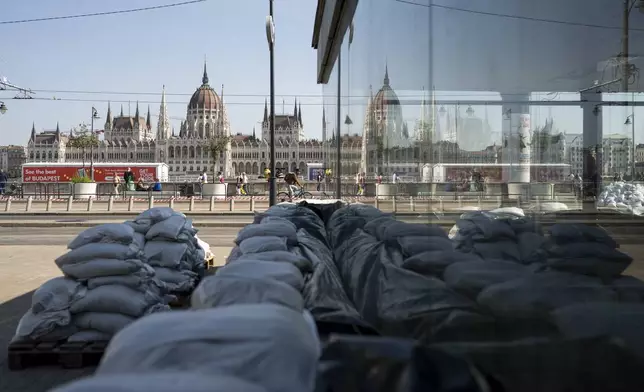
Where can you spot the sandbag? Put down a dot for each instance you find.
(284, 272)
(109, 233)
(382, 364)
(140, 280)
(617, 320)
(98, 251)
(531, 247)
(56, 294)
(303, 264)
(177, 280)
(553, 365)
(565, 233)
(536, 295)
(44, 326)
(276, 227)
(116, 299)
(470, 278)
(412, 245)
(403, 229)
(89, 335)
(323, 293)
(165, 253)
(628, 289)
(263, 244)
(435, 262)
(280, 351)
(223, 290)
(108, 323)
(175, 228)
(102, 267)
(168, 381)
(589, 258)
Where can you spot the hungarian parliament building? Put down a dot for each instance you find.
(132, 139)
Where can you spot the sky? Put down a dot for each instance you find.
(137, 53)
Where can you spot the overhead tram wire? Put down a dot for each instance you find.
(519, 17)
(480, 94)
(104, 13)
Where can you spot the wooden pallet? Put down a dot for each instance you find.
(69, 355)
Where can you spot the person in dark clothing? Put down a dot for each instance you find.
(3, 181)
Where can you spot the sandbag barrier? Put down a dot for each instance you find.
(114, 274)
(360, 269)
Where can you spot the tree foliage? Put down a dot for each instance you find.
(83, 139)
(216, 145)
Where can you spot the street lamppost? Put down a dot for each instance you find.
(91, 153)
(3, 108)
(628, 7)
(630, 120)
(270, 36)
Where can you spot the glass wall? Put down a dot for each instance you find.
(516, 98)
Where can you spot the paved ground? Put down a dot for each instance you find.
(26, 261)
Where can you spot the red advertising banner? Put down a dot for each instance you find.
(101, 174)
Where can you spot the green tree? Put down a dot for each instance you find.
(216, 145)
(83, 139)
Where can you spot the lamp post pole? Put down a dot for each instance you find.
(270, 33)
(91, 148)
(338, 134)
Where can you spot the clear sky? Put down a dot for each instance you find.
(139, 52)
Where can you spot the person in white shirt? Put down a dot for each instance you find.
(394, 177)
(203, 178)
(245, 184)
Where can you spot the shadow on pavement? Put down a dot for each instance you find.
(38, 379)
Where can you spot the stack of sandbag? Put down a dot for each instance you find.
(622, 197)
(499, 236)
(586, 250)
(171, 248)
(392, 273)
(121, 287)
(251, 347)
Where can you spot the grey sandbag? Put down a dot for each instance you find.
(167, 381)
(223, 290)
(345, 221)
(471, 278)
(99, 251)
(412, 245)
(536, 295)
(496, 250)
(279, 256)
(284, 272)
(403, 229)
(618, 320)
(478, 226)
(268, 345)
(628, 289)
(565, 233)
(531, 247)
(277, 227)
(435, 262)
(109, 232)
(324, 294)
(589, 258)
(301, 216)
(263, 244)
(553, 365)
